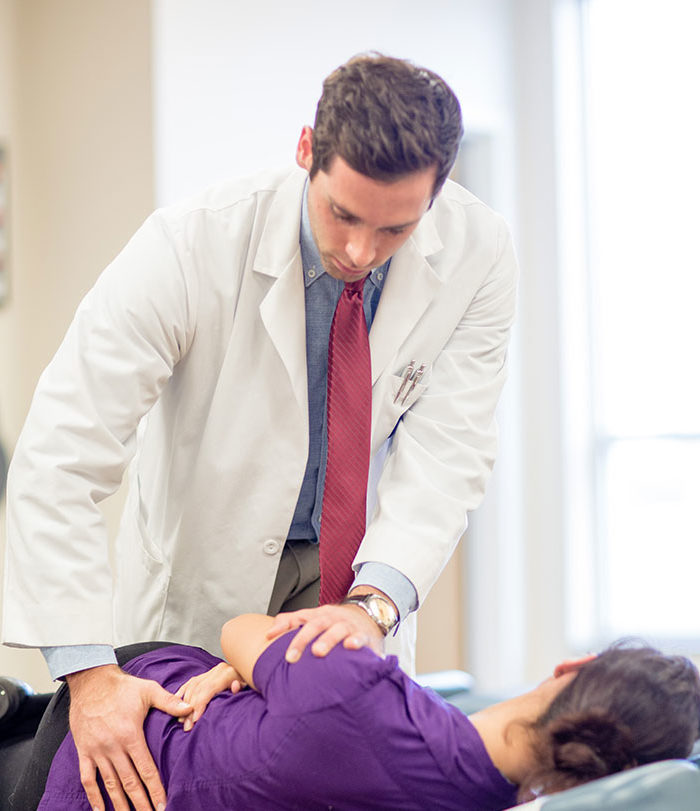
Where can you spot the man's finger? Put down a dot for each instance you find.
(331, 637)
(148, 774)
(279, 624)
(285, 622)
(113, 785)
(127, 780)
(301, 639)
(358, 640)
(161, 699)
(88, 777)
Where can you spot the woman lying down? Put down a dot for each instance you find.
(352, 731)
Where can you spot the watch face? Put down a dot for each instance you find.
(384, 611)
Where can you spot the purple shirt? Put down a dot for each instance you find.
(350, 731)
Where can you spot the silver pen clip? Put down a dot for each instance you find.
(406, 377)
(415, 378)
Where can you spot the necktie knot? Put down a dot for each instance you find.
(355, 288)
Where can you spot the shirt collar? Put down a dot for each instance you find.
(311, 259)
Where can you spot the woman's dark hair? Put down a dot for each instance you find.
(387, 118)
(626, 707)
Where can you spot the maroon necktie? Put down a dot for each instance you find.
(349, 417)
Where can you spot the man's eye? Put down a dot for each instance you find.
(343, 217)
(395, 232)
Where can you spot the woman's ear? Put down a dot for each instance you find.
(571, 665)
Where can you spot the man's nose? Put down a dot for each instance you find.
(361, 248)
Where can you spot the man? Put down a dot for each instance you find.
(201, 357)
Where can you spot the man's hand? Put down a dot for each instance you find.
(107, 711)
(349, 624)
(199, 690)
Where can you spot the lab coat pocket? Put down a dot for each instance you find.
(151, 555)
(405, 392)
(397, 397)
(144, 578)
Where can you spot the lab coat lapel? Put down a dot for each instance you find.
(282, 308)
(411, 284)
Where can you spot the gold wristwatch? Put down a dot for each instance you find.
(379, 609)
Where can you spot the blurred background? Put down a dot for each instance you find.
(582, 128)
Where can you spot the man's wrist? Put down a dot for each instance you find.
(64, 659)
(389, 581)
(89, 672)
(360, 591)
(378, 607)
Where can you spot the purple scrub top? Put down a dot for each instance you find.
(347, 732)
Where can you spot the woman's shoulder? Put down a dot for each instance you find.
(457, 748)
(317, 682)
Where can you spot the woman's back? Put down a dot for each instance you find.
(350, 731)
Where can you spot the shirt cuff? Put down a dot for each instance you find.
(66, 659)
(395, 585)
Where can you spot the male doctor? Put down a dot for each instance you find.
(301, 369)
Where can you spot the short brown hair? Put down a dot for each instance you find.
(387, 118)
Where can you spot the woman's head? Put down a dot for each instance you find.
(626, 707)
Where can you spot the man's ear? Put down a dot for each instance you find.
(304, 154)
(571, 665)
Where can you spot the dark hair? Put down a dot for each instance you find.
(626, 707)
(386, 118)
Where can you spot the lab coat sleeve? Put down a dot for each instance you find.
(118, 353)
(443, 448)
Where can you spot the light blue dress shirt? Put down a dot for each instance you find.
(321, 292)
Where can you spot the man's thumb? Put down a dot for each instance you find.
(161, 699)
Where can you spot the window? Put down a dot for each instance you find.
(630, 173)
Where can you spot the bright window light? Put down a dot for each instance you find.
(640, 139)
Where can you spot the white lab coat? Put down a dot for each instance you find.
(188, 360)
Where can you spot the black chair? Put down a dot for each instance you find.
(21, 711)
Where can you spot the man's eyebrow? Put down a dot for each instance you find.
(345, 213)
(342, 210)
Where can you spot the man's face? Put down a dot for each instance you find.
(358, 223)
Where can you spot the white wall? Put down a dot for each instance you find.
(236, 81)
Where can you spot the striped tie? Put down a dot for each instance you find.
(349, 416)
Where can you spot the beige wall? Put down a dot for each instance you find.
(441, 633)
(75, 113)
(9, 327)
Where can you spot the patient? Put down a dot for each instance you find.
(352, 731)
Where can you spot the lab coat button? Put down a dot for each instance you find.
(271, 547)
